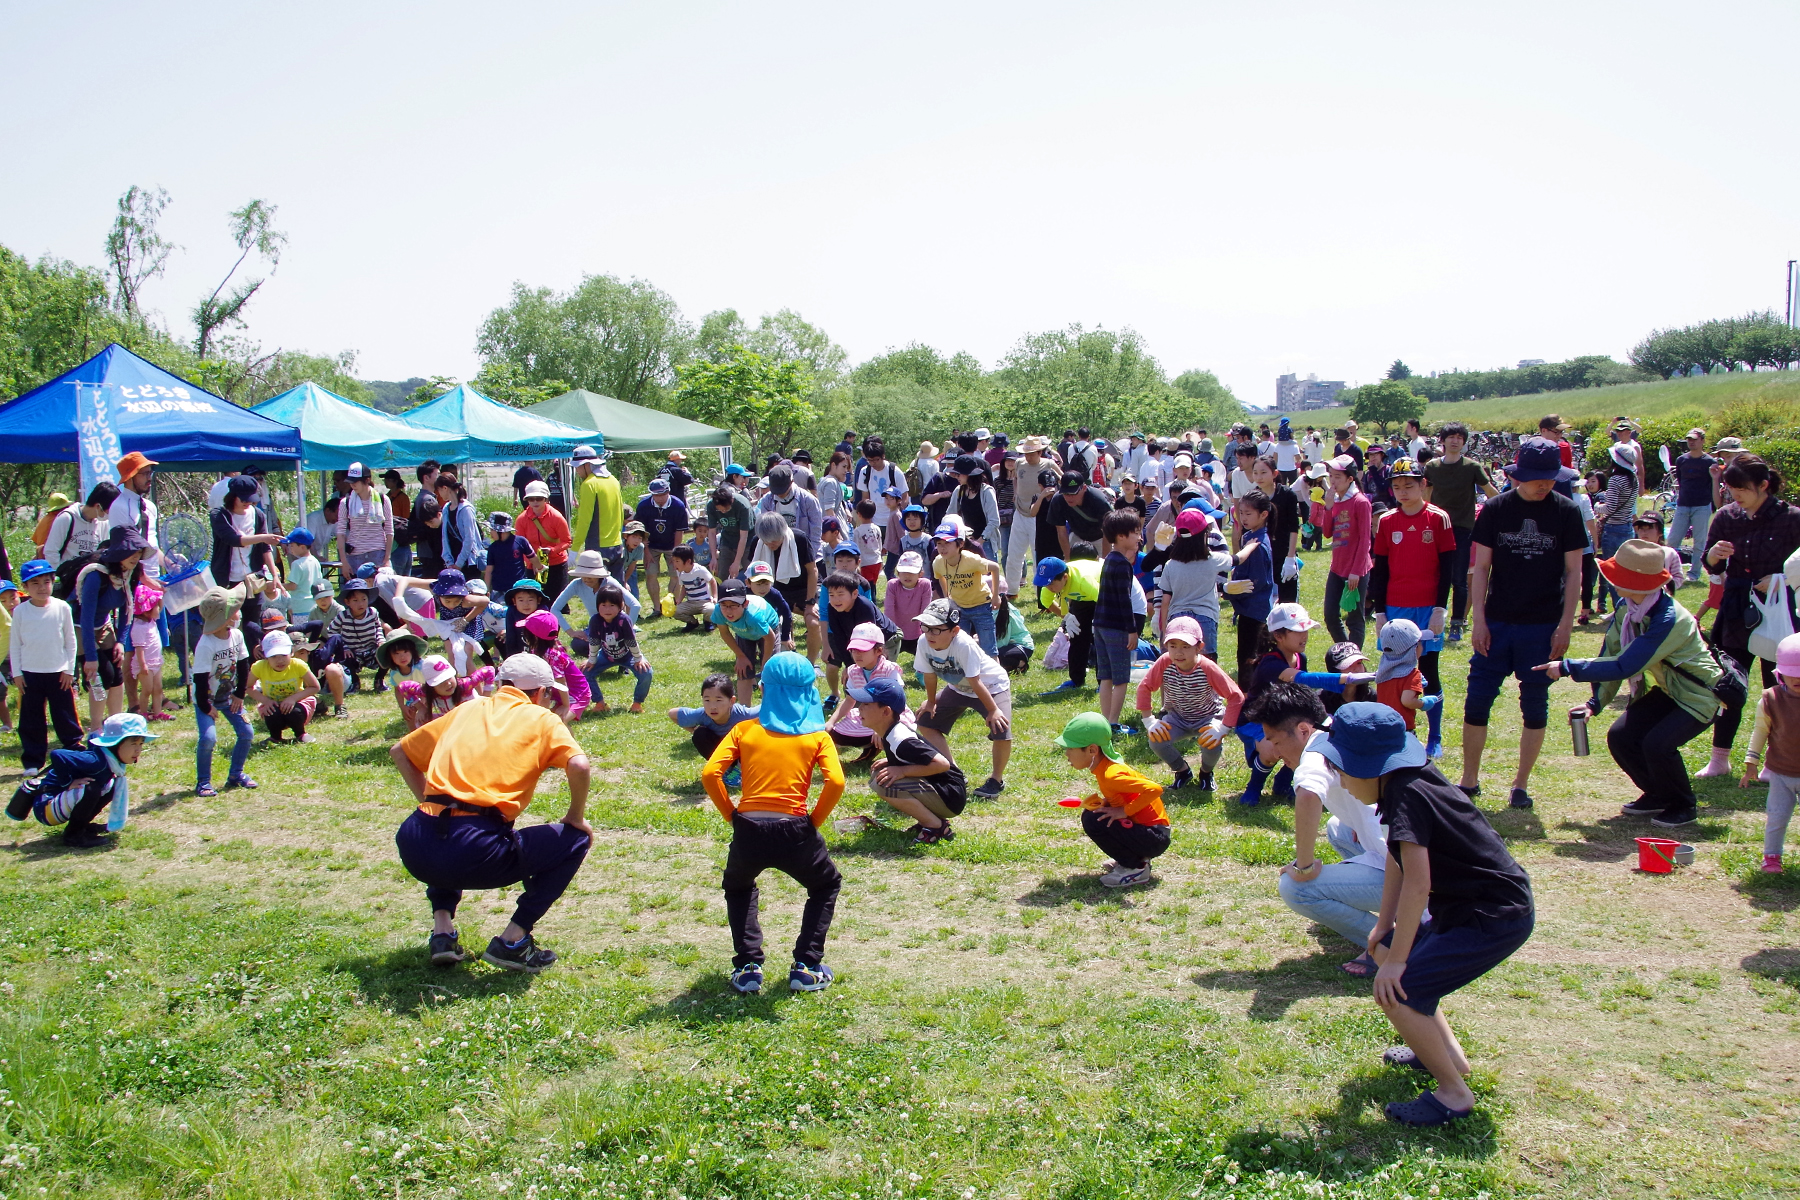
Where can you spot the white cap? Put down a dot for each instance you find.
(437, 669)
(912, 561)
(356, 471)
(1282, 616)
(537, 489)
(528, 673)
(277, 643)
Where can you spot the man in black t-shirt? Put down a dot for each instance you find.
(1078, 512)
(1529, 542)
(1445, 859)
(914, 778)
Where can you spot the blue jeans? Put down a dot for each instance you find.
(402, 559)
(979, 620)
(602, 663)
(1611, 538)
(1695, 517)
(1345, 896)
(209, 738)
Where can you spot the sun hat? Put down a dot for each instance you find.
(867, 636)
(1636, 566)
(132, 463)
(528, 672)
(1378, 448)
(1288, 616)
(967, 464)
(1539, 458)
(982, 433)
(1190, 522)
(1368, 740)
(802, 455)
(759, 570)
(219, 605)
(537, 489)
(56, 500)
(499, 522)
(1049, 570)
(1406, 467)
(915, 508)
(1318, 471)
(940, 613)
(1184, 629)
(676, 456)
(437, 670)
(1185, 460)
(1037, 443)
(122, 543)
(352, 586)
(298, 537)
(384, 649)
(790, 699)
(1072, 482)
(1623, 455)
(588, 565)
(1088, 729)
(1729, 445)
(525, 585)
(1787, 656)
(910, 563)
(543, 623)
(450, 582)
(276, 643)
(952, 526)
(144, 599)
(884, 690)
(120, 726)
(657, 487)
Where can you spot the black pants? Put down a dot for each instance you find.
(1725, 725)
(1287, 591)
(1590, 571)
(1459, 573)
(1129, 847)
(706, 739)
(37, 689)
(1335, 619)
(278, 722)
(452, 854)
(789, 844)
(1081, 646)
(556, 578)
(1646, 742)
(1015, 659)
(1249, 647)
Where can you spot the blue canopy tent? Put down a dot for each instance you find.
(494, 432)
(336, 432)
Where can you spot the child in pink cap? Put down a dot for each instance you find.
(1777, 733)
(146, 662)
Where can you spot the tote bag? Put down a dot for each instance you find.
(1777, 622)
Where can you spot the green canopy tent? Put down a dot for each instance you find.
(632, 428)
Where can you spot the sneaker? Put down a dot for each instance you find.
(929, 837)
(340, 712)
(1643, 806)
(162, 715)
(1184, 778)
(1456, 632)
(1249, 799)
(304, 739)
(1204, 781)
(1771, 864)
(445, 949)
(1123, 731)
(990, 788)
(1674, 818)
(1434, 749)
(1124, 877)
(380, 688)
(747, 979)
(804, 978)
(526, 956)
(1520, 798)
(829, 703)
(1067, 685)
(734, 778)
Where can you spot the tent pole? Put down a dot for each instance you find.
(300, 484)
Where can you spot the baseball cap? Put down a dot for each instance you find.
(1190, 522)
(734, 589)
(1342, 462)
(967, 464)
(867, 636)
(983, 434)
(911, 563)
(1398, 636)
(277, 643)
(952, 526)
(1697, 433)
(898, 493)
(437, 669)
(357, 471)
(34, 569)
(366, 571)
(1072, 482)
(658, 486)
(1049, 570)
(584, 453)
(1288, 616)
(537, 489)
(528, 672)
(298, 537)
(940, 613)
(1406, 468)
(499, 521)
(883, 690)
(1088, 729)
(1184, 629)
(760, 570)
(735, 469)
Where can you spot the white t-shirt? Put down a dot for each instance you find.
(1285, 453)
(1313, 445)
(218, 657)
(1241, 484)
(245, 524)
(874, 484)
(1264, 447)
(955, 663)
(694, 584)
(1417, 447)
(73, 535)
(1317, 776)
(869, 541)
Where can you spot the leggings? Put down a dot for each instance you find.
(1782, 791)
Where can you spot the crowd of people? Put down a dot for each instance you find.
(836, 591)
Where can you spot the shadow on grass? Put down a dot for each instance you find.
(1779, 963)
(1275, 989)
(162, 800)
(403, 981)
(1516, 824)
(1608, 840)
(52, 846)
(1085, 888)
(1362, 1114)
(1771, 893)
(709, 1001)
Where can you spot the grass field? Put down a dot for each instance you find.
(1644, 401)
(232, 1001)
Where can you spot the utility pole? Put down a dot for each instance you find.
(1790, 292)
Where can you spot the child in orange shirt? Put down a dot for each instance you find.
(1399, 683)
(1125, 818)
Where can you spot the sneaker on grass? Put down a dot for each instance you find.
(747, 979)
(1184, 778)
(1771, 864)
(1675, 818)
(1124, 877)
(804, 977)
(1643, 806)
(445, 949)
(527, 956)
(990, 788)
(1520, 798)
(1204, 781)
(1067, 685)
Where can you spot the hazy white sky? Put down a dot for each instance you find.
(1311, 187)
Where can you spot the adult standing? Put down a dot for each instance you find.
(80, 529)
(730, 523)
(241, 541)
(1455, 482)
(1029, 494)
(1136, 455)
(1079, 511)
(427, 473)
(1617, 507)
(1693, 499)
(976, 502)
(365, 523)
(1750, 539)
(664, 519)
(132, 508)
(400, 504)
(548, 532)
(1551, 429)
(460, 541)
(1653, 635)
(873, 481)
(1348, 517)
(675, 471)
(599, 509)
(524, 477)
(473, 771)
(800, 462)
(1528, 546)
(799, 508)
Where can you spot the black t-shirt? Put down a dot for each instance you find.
(1083, 520)
(524, 475)
(1529, 539)
(1472, 875)
(907, 749)
(678, 478)
(1695, 486)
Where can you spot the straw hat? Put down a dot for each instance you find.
(1636, 566)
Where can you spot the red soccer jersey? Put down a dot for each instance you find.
(1412, 545)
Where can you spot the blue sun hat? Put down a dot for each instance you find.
(120, 726)
(790, 701)
(1367, 740)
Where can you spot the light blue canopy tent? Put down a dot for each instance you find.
(335, 432)
(494, 432)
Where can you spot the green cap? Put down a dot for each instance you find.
(1088, 729)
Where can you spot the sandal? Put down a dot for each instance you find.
(1425, 1112)
(1362, 967)
(207, 790)
(1403, 1056)
(242, 781)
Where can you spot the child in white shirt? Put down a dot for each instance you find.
(694, 589)
(41, 644)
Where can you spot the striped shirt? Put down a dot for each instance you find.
(1195, 696)
(361, 634)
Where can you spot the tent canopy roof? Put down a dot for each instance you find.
(632, 428)
(495, 432)
(336, 432)
(158, 414)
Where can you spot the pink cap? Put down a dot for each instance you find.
(867, 636)
(543, 624)
(1342, 462)
(1787, 656)
(1184, 629)
(1190, 522)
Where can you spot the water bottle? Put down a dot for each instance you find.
(1578, 733)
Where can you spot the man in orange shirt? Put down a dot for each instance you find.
(770, 827)
(473, 771)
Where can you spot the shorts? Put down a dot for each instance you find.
(1444, 960)
(871, 571)
(1113, 650)
(1512, 650)
(146, 659)
(693, 608)
(109, 674)
(794, 592)
(753, 650)
(924, 793)
(951, 704)
(1421, 617)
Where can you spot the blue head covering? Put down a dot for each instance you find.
(790, 702)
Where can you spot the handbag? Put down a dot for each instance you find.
(1731, 688)
(1776, 621)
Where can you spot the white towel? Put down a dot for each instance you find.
(787, 566)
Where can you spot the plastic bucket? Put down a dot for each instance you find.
(1656, 855)
(186, 588)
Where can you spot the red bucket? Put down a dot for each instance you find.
(1656, 855)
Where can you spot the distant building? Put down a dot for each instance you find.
(1293, 394)
(1530, 362)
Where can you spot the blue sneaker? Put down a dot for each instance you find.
(747, 979)
(829, 704)
(1067, 685)
(734, 778)
(1455, 633)
(1123, 730)
(802, 978)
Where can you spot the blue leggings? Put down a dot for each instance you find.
(602, 663)
(209, 738)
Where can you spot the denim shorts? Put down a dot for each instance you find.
(1112, 654)
(1514, 650)
(1443, 960)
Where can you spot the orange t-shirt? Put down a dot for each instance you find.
(491, 750)
(1122, 787)
(777, 770)
(1389, 694)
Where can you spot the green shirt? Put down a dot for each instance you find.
(1453, 488)
(1084, 583)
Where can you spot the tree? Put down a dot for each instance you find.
(53, 314)
(137, 251)
(1399, 370)
(507, 383)
(1212, 403)
(748, 394)
(621, 338)
(288, 368)
(428, 391)
(1388, 403)
(1766, 343)
(253, 229)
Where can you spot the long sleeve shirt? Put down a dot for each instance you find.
(1197, 695)
(100, 602)
(1113, 609)
(1348, 516)
(42, 640)
(1122, 787)
(472, 551)
(1619, 507)
(549, 534)
(1669, 649)
(800, 508)
(777, 770)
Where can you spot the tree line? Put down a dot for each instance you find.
(1757, 339)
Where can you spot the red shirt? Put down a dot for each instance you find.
(1412, 545)
(1388, 693)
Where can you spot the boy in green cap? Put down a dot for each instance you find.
(1125, 818)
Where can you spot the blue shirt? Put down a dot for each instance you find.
(696, 718)
(758, 620)
(662, 525)
(1259, 569)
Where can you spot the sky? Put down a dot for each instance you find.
(1256, 189)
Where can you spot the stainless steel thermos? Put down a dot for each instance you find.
(1578, 733)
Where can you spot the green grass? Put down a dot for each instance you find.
(231, 1002)
(1645, 401)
